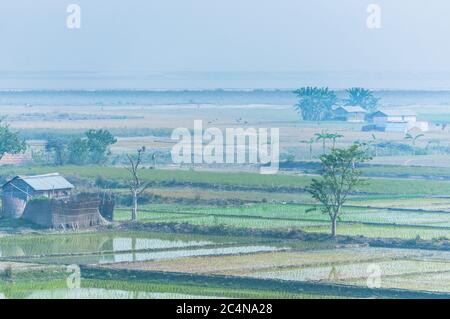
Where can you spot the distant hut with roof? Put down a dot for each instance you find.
(47, 200)
(397, 121)
(350, 113)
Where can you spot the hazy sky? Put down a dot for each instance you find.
(225, 35)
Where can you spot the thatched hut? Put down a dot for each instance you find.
(80, 211)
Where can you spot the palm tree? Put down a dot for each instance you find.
(324, 136)
(315, 104)
(374, 143)
(362, 97)
(310, 142)
(334, 137)
(413, 139)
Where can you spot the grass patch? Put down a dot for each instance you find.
(245, 180)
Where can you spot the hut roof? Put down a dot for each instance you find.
(45, 182)
(386, 112)
(352, 109)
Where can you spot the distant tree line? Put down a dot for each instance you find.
(92, 148)
(317, 103)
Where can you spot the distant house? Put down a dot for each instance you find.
(397, 121)
(350, 113)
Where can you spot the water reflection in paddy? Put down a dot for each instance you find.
(154, 255)
(132, 257)
(44, 245)
(115, 247)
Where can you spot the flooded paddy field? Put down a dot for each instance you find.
(137, 264)
(350, 268)
(48, 265)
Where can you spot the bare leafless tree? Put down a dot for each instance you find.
(137, 187)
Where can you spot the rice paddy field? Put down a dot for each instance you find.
(405, 198)
(372, 221)
(347, 266)
(134, 264)
(43, 259)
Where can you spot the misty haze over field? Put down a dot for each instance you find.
(202, 44)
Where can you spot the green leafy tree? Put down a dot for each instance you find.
(362, 97)
(315, 104)
(98, 142)
(10, 142)
(339, 177)
(78, 151)
(58, 146)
